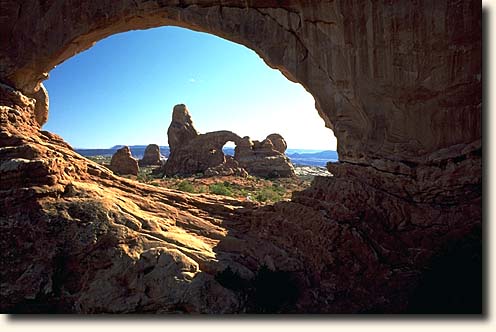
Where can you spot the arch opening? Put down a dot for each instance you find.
(253, 100)
(231, 22)
(269, 102)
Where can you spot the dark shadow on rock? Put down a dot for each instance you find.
(452, 283)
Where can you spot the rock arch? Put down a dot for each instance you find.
(398, 82)
(381, 80)
(193, 153)
(202, 152)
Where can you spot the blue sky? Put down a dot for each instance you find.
(123, 89)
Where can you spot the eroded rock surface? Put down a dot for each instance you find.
(398, 82)
(151, 156)
(41, 107)
(123, 163)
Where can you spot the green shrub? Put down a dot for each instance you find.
(220, 189)
(186, 186)
(268, 194)
(144, 177)
(202, 189)
(244, 192)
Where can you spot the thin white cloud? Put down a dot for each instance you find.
(192, 80)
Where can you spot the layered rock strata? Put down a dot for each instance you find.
(398, 82)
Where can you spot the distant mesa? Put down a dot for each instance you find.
(123, 163)
(193, 153)
(304, 157)
(151, 156)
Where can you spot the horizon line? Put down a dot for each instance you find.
(134, 145)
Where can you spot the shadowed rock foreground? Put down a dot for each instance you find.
(400, 86)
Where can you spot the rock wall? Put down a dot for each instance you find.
(399, 82)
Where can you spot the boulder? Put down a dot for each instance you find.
(151, 156)
(123, 163)
(41, 107)
(278, 142)
(229, 167)
(263, 159)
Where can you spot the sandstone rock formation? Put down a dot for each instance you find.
(181, 130)
(278, 142)
(123, 163)
(398, 82)
(347, 70)
(199, 154)
(263, 158)
(41, 107)
(151, 156)
(193, 153)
